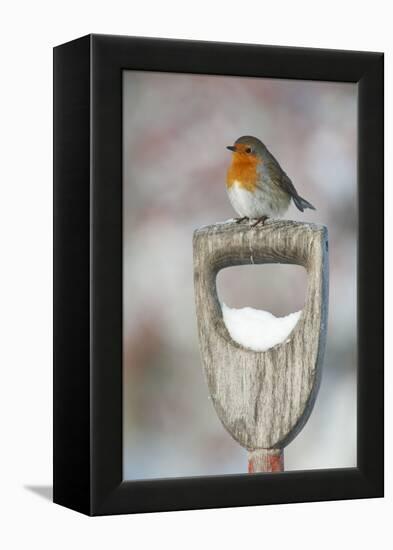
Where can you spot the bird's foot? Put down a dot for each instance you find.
(239, 220)
(261, 220)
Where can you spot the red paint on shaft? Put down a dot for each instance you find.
(276, 463)
(266, 461)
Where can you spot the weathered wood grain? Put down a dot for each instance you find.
(262, 398)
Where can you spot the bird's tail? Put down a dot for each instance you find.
(302, 203)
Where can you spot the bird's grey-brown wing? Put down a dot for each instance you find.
(278, 177)
(277, 174)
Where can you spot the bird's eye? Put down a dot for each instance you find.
(248, 149)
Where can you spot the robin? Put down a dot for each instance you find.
(257, 185)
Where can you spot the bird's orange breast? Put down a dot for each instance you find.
(243, 170)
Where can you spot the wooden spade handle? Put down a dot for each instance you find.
(262, 398)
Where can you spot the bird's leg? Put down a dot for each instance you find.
(239, 220)
(261, 220)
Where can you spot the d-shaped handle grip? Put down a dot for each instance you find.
(262, 398)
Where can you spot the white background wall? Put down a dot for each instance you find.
(28, 32)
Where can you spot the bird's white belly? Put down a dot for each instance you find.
(254, 204)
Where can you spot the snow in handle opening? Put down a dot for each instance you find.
(257, 329)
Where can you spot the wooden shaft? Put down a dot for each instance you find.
(266, 460)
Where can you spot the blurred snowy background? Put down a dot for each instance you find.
(176, 128)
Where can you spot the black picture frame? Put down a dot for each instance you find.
(88, 274)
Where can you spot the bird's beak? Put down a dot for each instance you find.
(231, 147)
